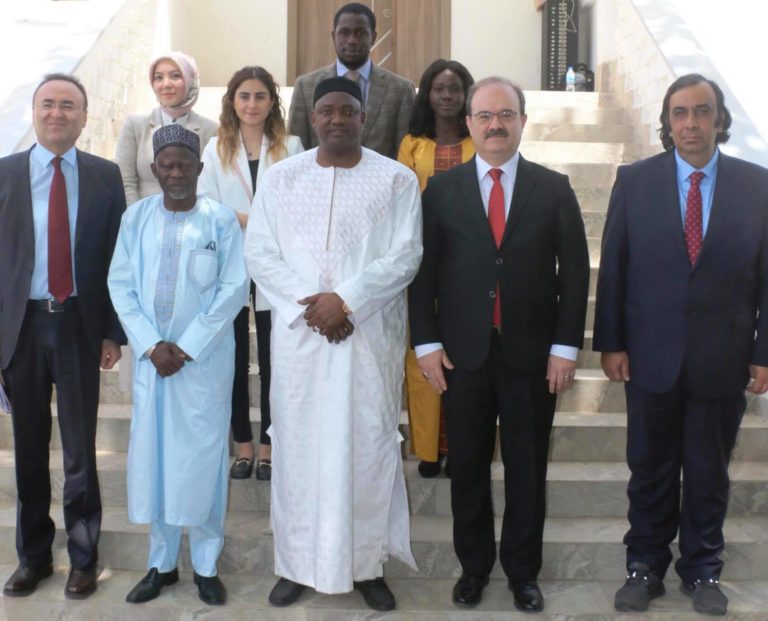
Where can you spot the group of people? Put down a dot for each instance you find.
(325, 242)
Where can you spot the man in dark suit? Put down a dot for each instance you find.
(60, 213)
(683, 276)
(497, 315)
(387, 97)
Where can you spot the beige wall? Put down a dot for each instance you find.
(498, 37)
(489, 36)
(224, 35)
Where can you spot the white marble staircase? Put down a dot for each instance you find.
(584, 135)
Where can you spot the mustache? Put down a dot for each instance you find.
(498, 131)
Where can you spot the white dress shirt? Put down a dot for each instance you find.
(507, 180)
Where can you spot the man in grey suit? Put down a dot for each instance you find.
(387, 97)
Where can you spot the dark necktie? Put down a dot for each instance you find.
(59, 249)
(693, 218)
(497, 220)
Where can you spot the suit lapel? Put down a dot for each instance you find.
(84, 193)
(473, 199)
(718, 216)
(665, 196)
(524, 182)
(21, 194)
(376, 91)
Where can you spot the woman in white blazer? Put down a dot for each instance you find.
(251, 137)
(176, 82)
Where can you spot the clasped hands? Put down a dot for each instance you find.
(325, 315)
(168, 358)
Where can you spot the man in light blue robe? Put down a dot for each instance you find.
(177, 280)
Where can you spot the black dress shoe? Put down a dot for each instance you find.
(376, 594)
(264, 470)
(641, 586)
(210, 590)
(707, 597)
(24, 580)
(150, 585)
(285, 592)
(430, 469)
(528, 597)
(80, 583)
(242, 468)
(469, 590)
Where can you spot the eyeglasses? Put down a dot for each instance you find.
(505, 116)
(63, 106)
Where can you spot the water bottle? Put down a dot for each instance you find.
(570, 80)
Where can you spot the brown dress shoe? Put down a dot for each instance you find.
(24, 580)
(81, 583)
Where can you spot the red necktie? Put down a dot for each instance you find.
(693, 220)
(59, 250)
(497, 220)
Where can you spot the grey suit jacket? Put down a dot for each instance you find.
(134, 149)
(101, 203)
(387, 113)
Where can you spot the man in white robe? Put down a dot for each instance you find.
(346, 222)
(177, 280)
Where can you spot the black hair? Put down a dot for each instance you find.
(724, 118)
(357, 9)
(64, 77)
(423, 116)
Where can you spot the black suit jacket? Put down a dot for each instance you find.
(101, 203)
(542, 268)
(666, 313)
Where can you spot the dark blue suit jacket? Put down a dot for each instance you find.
(666, 313)
(101, 203)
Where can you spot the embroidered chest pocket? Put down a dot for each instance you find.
(203, 268)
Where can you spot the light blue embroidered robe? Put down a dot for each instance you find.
(177, 457)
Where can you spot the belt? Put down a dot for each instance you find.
(50, 306)
(496, 330)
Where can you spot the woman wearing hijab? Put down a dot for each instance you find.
(176, 82)
(251, 137)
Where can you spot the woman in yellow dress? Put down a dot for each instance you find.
(437, 139)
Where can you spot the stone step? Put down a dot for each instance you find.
(594, 199)
(418, 599)
(548, 152)
(574, 490)
(591, 392)
(585, 177)
(565, 115)
(576, 436)
(565, 131)
(594, 221)
(574, 548)
(578, 99)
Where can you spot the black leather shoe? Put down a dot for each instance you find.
(24, 580)
(264, 470)
(376, 594)
(528, 597)
(150, 585)
(430, 469)
(80, 583)
(210, 590)
(641, 587)
(469, 590)
(285, 592)
(707, 597)
(242, 468)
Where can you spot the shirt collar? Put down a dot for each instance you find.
(169, 120)
(509, 167)
(43, 156)
(685, 170)
(364, 71)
